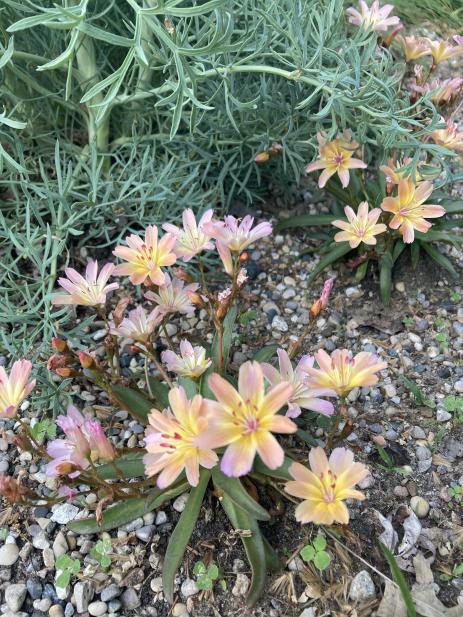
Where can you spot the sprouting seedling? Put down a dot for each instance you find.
(456, 572)
(65, 568)
(42, 429)
(100, 552)
(442, 340)
(407, 321)
(455, 296)
(316, 553)
(205, 576)
(456, 493)
(454, 404)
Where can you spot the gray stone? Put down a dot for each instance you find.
(40, 541)
(442, 415)
(56, 611)
(135, 524)
(362, 587)
(15, 596)
(180, 503)
(110, 592)
(130, 599)
(8, 554)
(189, 588)
(64, 513)
(42, 605)
(459, 385)
(83, 594)
(161, 518)
(60, 545)
(308, 612)
(156, 584)
(423, 453)
(279, 324)
(418, 433)
(241, 585)
(97, 609)
(144, 533)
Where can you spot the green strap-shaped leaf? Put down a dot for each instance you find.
(266, 353)
(385, 277)
(338, 251)
(306, 220)
(281, 473)
(133, 401)
(190, 386)
(271, 558)
(182, 534)
(235, 490)
(437, 256)
(253, 545)
(160, 392)
(115, 516)
(400, 580)
(128, 466)
(415, 254)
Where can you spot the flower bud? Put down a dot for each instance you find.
(66, 372)
(244, 256)
(86, 360)
(59, 345)
(195, 298)
(118, 313)
(56, 361)
(183, 275)
(262, 157)
(222, 311)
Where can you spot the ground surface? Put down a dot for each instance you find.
(420, 335)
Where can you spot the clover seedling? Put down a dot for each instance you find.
(205, 576)
(456, 572)
(316, 553)
(42, 429)
(65, 568)
(456, 493)
(100, 552)
(454, 404)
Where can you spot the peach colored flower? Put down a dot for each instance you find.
(138, 326)
(145, 258)
(443, 50)
(90, 290)
(326, 486)
(451, 137)
(172, 440)
(191, 362)
(335, 157)
(244, 420)
(374, 17)
(444, 92)
(414, 47)
(396, 170)
(238, 235)
(342, 373)
(408, 209)
(14, 387)
(192, 239)
(174, 296)
(303, 395)
(360, 227)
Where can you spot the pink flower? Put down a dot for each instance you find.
(192, 239)
(242, 277)
(447, 90)
(451, 137)
(326, 486)
(414, 47)
(303, 395)
(14, 388)
(320, 305)
(84, 442)
(374, 17)
(145, 258)
(342, 373)
(174, 296)
(172, 440)
(335, 157)
(244, 420)
(236, 235)
(90, 290)
(191, 362)
(223, 296)
(138, 326)
(443, 50)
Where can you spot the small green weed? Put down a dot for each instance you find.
(65, 568)
(206, 576)
(316, 553)
(100, 552)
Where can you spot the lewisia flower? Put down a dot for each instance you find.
(447, 90)
(303, 395)
(335, 157)
(408, 209)
(374, 17)
(360, 227)
(443, 50)
(325, 486)
(342, 373)
(172, 440)
(244, 420)
(145, 258)
(138, 326)
(14, 388)
(192, 239)
(414, 47)
(90, 290)
(174, 296)
(234, 236)
(191, 362)
(395, 171)
(451, 137)
(85, 441)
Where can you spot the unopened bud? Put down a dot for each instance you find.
(118, 313)
(195, 298)
(59, 345)
(222, 311)
(56, 361)
(262, 157)
(316, 309)
(66, 372)
(86, 360)
(169, 26)
(183, 275)
(388, 40)
(244, 256)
